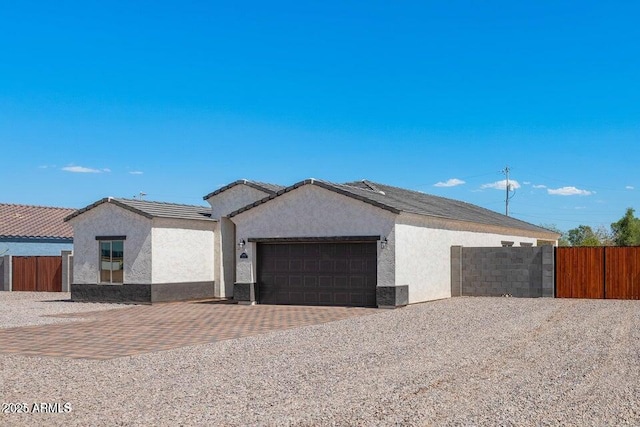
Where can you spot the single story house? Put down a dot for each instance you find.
(34, 230)
(312, 243)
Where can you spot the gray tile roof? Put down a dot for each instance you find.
(150, 209)
(262, 186)
(398, 200)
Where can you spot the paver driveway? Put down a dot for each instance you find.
(149, 328)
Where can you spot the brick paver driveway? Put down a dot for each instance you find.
(149, 328)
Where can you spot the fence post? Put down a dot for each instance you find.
(8, 273)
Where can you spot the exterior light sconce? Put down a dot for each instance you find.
(383, 243)
(241, 244)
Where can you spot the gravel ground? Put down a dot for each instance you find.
(462, 361)
(27, 308)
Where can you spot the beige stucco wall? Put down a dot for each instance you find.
(182, 250)
(312, 211)
(233, 199)
(110, 220)
(423, 253)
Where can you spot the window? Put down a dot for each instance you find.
(506, 244)
(526, 244)
(111, 261)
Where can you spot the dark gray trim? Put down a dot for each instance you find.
(246, 182)
(329, 239)
(245, 292)
(111, 237)
(322, 184)
(392, 296)
(165, 292)
(142, 293)
(35, 239)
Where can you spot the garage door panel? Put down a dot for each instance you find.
(295, 282)
(356, 266)
(310, 298)
(340, 298)
(310, 282)
(357, 282)
(310, 265)
(356, 299)
(296, 251)
(326, 265)
(341, 266)
(341, 251)
(281, 265)
(317, 273)
(295, 265)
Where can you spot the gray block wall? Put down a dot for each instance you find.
(516, 271)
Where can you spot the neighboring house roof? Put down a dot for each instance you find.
(150, 209)
(262, 186)
(398, 200)
(24, 221)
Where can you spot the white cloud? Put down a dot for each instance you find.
(630, 187)
(106, 170)
(580, 207)
(569, 191)
(136, 172)
(80, 169)
(539, 186)
(449, 183)
(526, 183)
(46, 166)
(502, 185)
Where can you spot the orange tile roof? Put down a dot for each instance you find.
(34, 221)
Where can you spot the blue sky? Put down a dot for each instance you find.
(176, 99)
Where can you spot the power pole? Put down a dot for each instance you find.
(508, 197)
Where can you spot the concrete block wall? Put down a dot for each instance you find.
(516, 271)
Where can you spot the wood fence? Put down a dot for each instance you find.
(37, 273)
(598, 272)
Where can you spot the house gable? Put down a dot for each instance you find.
(233, 198)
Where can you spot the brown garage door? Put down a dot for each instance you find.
(341, 274)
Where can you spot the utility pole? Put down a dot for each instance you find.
(508, 197)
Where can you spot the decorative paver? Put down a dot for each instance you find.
(150, 328)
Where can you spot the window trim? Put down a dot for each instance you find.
(111, 241)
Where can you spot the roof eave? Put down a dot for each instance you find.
(107, 200)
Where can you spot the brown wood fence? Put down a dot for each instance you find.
(37, 273)
(598, 272)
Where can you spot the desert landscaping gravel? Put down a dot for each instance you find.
(35, 308)
(461, 361)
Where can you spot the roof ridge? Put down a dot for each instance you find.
(159, 202)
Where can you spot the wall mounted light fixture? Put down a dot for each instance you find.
(241, 244)
(383, 243)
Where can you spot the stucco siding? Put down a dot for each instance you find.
(423, 255)
(233, 199)
(110, 220)
(183, 251)
(312, 211)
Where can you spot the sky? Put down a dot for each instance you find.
(176, 99)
